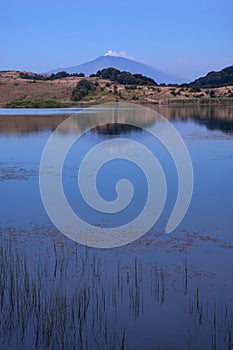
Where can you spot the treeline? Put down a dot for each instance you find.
(214, 79)
(59, 75)
(113, 74)
(122, 77)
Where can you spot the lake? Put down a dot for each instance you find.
(156, 290)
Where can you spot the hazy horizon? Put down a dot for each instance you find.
(184, 39)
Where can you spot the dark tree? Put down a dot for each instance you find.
(82, 89)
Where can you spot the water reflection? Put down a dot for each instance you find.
(213, 117)
(20, 124)
(57, 294)
(115, 129)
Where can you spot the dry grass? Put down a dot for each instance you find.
(12, 88)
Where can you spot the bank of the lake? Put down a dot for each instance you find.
(16, 92)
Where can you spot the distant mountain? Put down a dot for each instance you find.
(123, 64)
(215, 79)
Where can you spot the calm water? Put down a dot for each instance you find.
(163, 291)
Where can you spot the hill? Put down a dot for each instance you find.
(22, 89)
(223, 77)
(122, 64)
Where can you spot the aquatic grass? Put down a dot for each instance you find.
(38, 310)
(68, 298)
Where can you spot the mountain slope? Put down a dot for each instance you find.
(123, 64)
(215, 79)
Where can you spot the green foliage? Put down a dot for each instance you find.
(82, 89)
(32, 76)
(212, 93)
(108, 73)
(130, 87)
(59, 75)
(176, 85)
(142, 80)
(125, 78)
(195, 89)
(215, 79)
(35, 104)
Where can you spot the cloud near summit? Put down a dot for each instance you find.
(116, 54)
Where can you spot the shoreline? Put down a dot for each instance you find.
(62, 108)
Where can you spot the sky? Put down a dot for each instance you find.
(183, 37)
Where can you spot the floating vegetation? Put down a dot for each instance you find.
(15, 172)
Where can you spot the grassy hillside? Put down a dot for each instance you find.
(18, 91)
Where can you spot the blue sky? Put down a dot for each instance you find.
(183, 37)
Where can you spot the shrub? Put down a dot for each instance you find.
(115, 89)
(195, 89)
(212, 93)
(82, 89)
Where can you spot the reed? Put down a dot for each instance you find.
(69, 298)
